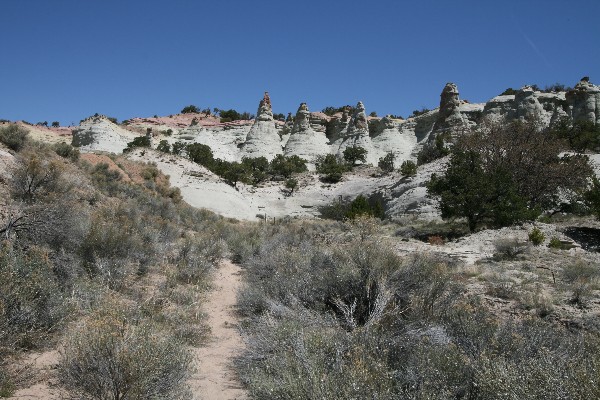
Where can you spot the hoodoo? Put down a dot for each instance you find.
(304, 141)
(263, 139)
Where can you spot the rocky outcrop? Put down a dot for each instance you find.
(304, 141)
(263, 139)
(357, 135)
(584, 101)
(392, 135)
(337, 127)
(450, 117)
(98, 133)
(527, 104)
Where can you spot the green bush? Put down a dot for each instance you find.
(140, 141)
(190, 109)
(286, 166)
(178, 147)
(330, 169)
(200, 154)
(515, 185)
(416, 113)
(13, 136)
(108, 358)
(164, 146)
(354, 154)
(408, 168)
(66, 151)
(386, 163)
(555, 243)
(536, 236)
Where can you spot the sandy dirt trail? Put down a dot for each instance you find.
(215, 378)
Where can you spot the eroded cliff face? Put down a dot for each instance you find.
(311, 134)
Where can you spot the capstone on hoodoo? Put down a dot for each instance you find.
(263, 139)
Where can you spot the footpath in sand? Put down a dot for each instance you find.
(215, 378)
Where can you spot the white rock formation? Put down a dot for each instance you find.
(357, 135)
(584, 101)
(304, 141)
(527, 103)
(449, 115)
(98, 133)
(263, 140)
(392, 135)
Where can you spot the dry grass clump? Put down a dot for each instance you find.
(580, 280)
(509, 248)
(109, 357)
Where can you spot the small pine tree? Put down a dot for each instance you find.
(386, 163)
(354, 154)
(408, 168)
(164, 146)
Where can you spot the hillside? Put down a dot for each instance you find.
(196, 274)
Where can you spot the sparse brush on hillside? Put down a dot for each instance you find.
(77, 234)
(13, 136)
(372, 324)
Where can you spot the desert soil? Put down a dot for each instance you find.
(215, 378)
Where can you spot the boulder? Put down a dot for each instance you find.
(263, 139)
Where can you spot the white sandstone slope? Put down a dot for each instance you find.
(263, 139)
(304, 141)
(98, 133)
(391, 135)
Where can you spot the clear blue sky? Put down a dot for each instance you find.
(67, 59)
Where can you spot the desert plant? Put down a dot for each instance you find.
(432, 151)
(291, 184)
(32, 304)
(200, 154)
(408, 168)
(386, 163)
(37, 176)
(507, 173)
(140, 141)
(536, 236)
(178, 147)
(286, 166)
(355, 154)
(509, 248)
(65, 150)
(164, 146)
(555, 243)
(330, 168)
(190, 109)
(108, 358)
(13, 136)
